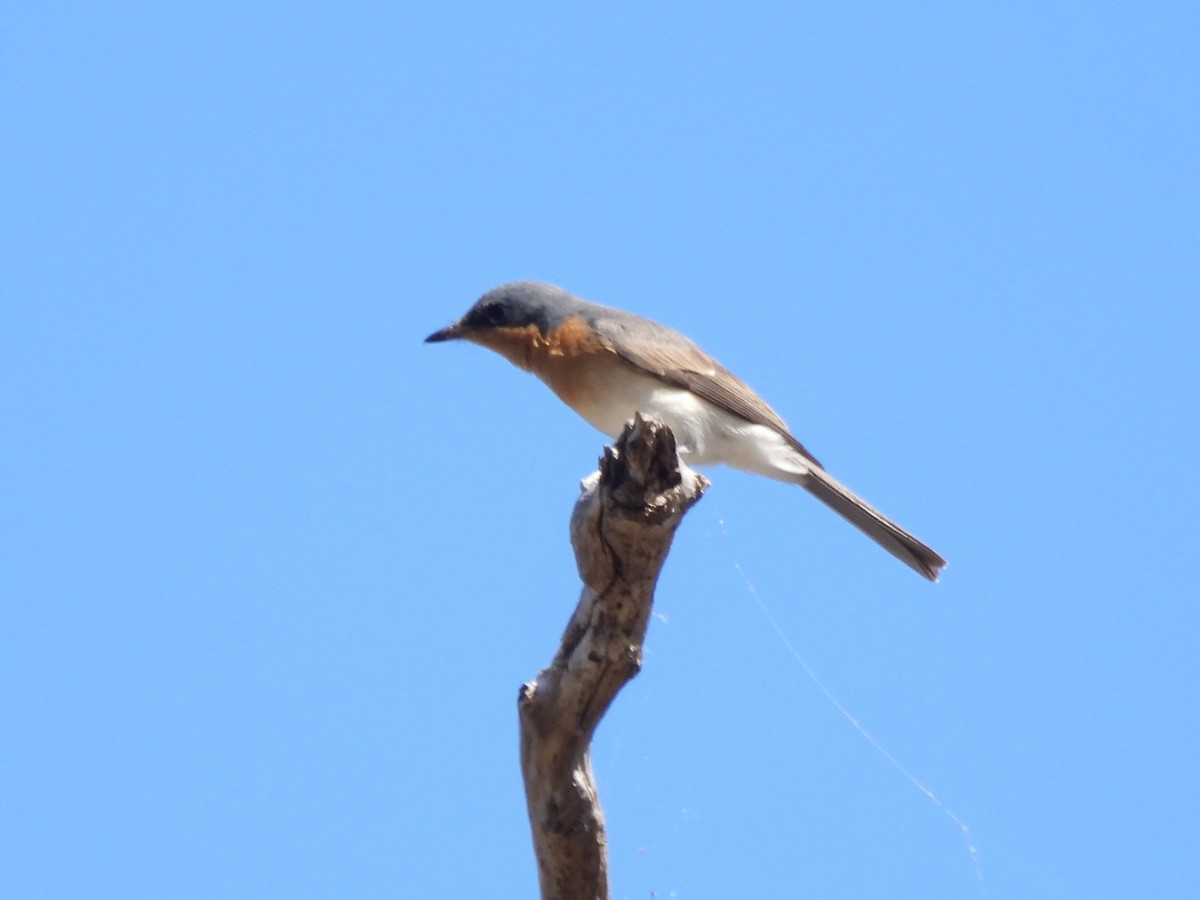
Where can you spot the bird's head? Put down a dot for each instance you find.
(521, 306)
(523, 321)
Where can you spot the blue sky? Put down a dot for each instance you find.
(273, 569)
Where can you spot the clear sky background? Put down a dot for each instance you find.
(273, 569)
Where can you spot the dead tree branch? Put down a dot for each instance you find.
(621, 531)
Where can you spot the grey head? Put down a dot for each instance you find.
(518, 304)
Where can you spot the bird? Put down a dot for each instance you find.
(607, 364)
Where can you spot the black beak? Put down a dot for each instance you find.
(449, 333)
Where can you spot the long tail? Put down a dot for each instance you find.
(882, 530)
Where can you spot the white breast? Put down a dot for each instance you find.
(705, 433)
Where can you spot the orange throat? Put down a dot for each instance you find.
(570, 359)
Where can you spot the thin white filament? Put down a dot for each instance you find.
(870, 738)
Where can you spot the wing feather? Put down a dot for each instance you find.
(664, 352)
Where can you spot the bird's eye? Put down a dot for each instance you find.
(494, 314)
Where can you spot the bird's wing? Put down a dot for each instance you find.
(664, 352)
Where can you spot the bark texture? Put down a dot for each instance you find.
(621, 531)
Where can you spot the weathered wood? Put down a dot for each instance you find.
(621, 531)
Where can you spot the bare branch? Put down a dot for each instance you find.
(621, 531)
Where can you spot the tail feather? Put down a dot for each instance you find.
(886, 533)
